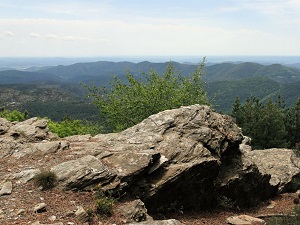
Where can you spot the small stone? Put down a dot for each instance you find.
(39, 208)
(69, 213)
(81, 214)
(6, 188)
(52, 218)
(20, 212)
(271, 205)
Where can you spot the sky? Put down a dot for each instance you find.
(91, 28)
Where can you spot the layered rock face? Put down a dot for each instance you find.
(176, 159)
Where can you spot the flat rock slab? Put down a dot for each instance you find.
(158, 222)
(244, 220)
(6, 188)
(81, 173)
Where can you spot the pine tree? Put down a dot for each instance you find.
(293, 125)
(271, 127)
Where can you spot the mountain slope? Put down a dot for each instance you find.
(229, 71)
(21, 77)
(280, 73)
(223, 93)
(102, 72)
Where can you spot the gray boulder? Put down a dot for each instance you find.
(281, 164)
(172, 159)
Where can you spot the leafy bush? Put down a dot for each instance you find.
(127, 103)
(104, 202)
(70, 127)
(45, 179)
(14, 115)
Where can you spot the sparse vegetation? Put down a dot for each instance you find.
(291, 219)
(45, 179)
(104, 202)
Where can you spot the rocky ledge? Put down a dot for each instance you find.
(180, 159)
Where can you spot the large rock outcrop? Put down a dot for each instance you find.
(176, 159)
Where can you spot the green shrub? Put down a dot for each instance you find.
(45, 179)
(14, 115)
(104, 202)
(70, 127)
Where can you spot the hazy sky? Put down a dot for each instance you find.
(149, 27)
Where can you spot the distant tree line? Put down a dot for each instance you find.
(269, 125)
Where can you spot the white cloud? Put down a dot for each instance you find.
(8, 34)
(34, 35)
(142, 37)
(51, 36)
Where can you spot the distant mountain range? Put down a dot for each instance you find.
(224, 81)
(101, 72)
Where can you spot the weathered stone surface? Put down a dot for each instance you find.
(244, 220)
(6, 188)
(18, 139)
(81, 214)
(158, 222)
(172, 159)
(240, 183)
(135, 211)
(281, 164)
(38, 223)
(82, 173)
(41, 148)
(4, 125)
(27, 130)
(25, 175)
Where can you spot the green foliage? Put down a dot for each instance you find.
(292, 219)
(293, 125)
(13, 115)
(128, 103)
(104, 201)
(224, 92)
(69, 127)
(45, 179)
(270, 124)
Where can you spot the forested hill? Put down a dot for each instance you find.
(38, 88)
(229, 71)
(101, 72)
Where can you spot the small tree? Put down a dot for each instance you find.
(293, 125)
(128, 103)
